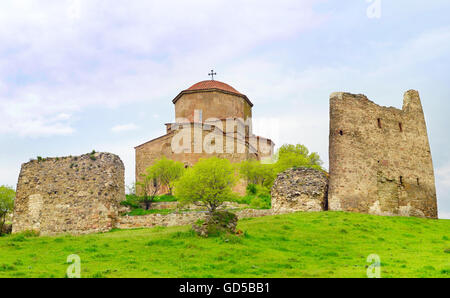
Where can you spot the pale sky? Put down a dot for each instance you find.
(101, 74)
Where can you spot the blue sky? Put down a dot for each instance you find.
(97, 74)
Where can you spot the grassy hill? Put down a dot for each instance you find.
(326, 244)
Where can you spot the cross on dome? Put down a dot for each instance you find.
(212, 74)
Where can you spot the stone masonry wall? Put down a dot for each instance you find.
(380, 159)
(300, 189)
(181, 219)
(76, 195)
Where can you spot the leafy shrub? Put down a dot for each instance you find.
(165, 198)
(251, 189)
(244, 200)
(92, 155)
(262, 191)
(131, 201)
(199, 222)
(208, 183)
(216, 224)
(260, 203)
(258, 197)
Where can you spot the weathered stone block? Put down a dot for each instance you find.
(380, 159)
(300, 189)
(75, 195)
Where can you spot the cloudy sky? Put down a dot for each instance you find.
(78, 75)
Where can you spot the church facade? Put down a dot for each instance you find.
(211, 119)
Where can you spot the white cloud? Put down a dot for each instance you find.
(65, 56)
(124, 127)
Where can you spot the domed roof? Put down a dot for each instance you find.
(211, 84)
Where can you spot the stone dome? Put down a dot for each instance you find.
(211, 84)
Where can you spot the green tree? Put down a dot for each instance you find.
(167, 171)
(255, 172)
(208, 183)
(289, 156)
(7, 195)
(164, 172)
(150, 186)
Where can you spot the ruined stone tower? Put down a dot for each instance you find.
(74, 194)
(380, 159)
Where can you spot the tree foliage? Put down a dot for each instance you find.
(208, 183)
(255, 172)
(289, 156)
(150, 186)
(164, 172)
(167, 171)
(7, 195)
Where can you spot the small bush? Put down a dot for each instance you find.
(216, 224)
(165, 198)
(131, 201)
(199, 222)
(260, 203)
(257, 197)
(251, 189)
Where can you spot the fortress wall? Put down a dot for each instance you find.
(380, 159)
(74, 195)
(181, 219)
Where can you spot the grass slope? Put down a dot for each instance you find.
(326, 244)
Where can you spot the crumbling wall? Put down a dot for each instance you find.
(380, 159)
(76, 195)
(300, 189)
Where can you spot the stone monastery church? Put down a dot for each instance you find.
(380, 163)
(212, 119)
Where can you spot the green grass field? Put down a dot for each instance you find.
(326, 244)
